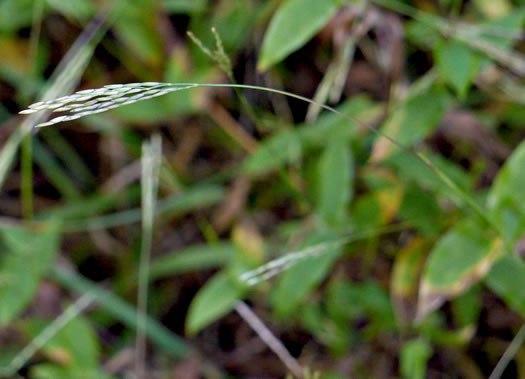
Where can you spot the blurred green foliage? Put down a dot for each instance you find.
(378, 260)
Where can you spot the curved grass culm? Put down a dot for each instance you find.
(92, 101)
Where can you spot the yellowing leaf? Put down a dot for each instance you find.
(458, 260)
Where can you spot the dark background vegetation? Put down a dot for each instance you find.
(418, 282)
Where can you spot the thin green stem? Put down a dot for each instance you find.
(440, 174)
(509, 353)
(164, 88)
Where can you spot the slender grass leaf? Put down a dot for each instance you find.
(91, 205)
(193, 258)
(294, 23)
(175, 205)
(458, 260)
(335, 182)
(506, 199)
(218, 297)
(69, 155)
(26, 257)
(54, 171)
(62, 81)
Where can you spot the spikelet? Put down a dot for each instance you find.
(92, 101)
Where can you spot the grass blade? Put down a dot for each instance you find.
(124, 312)
(151, 159)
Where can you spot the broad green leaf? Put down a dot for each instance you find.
(458, 64)
(218, 297)
(294, 285)
(292, 25)
(506, 199)
(458, 260)
(199, 257)
(73, 346)
(281, 148)
(26, 256)
(412, 121)
(414, 357)
(335, 182)
(507, 280)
